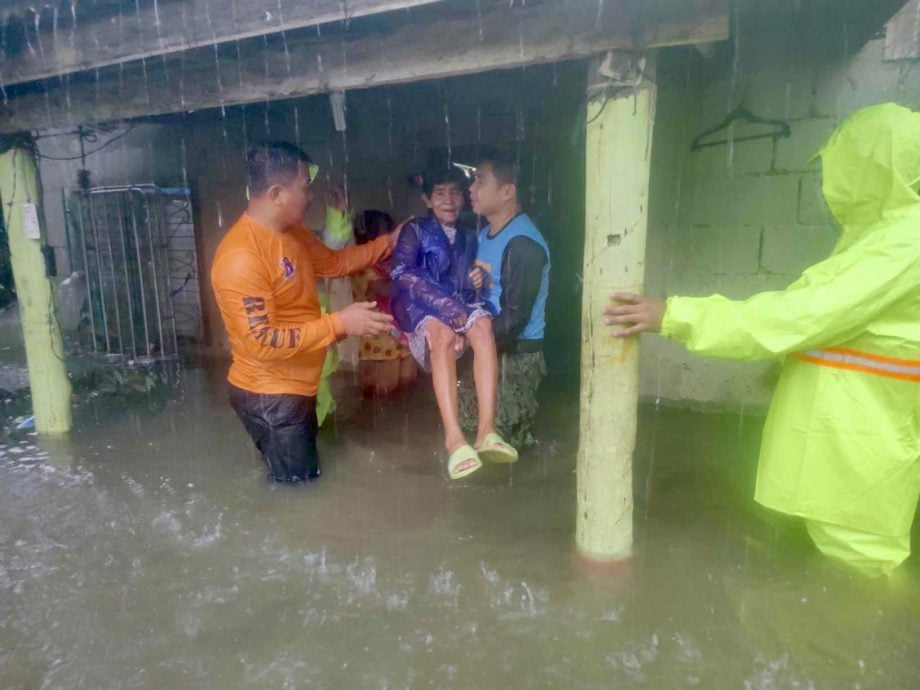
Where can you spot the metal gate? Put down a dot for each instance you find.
(137, 248)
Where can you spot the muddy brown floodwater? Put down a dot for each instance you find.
(148, 551)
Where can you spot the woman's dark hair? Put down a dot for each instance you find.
(272, 162)
(433, 177)
(371, 225)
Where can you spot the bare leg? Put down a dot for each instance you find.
(441, 340)
(485, 373)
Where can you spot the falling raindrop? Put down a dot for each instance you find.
(521, 40)
(183, 161)
(284, 41)
(25, 34)
(156, 20)
(390, 151)
(245, 127)
(146, 81)
(220, 85)
(390, 127)
(479, 17)
(223, 158)
(182, 79)
(165, 66)
(121, 26)
(239, 66)
(38, 36)
(47, 97)
(297, 125)
(73, 21)
(447, 133)
(347, 160)
(479, 126)
(98, 88)
(733, 92)
(731, 150)
(54, 27)
(65, 84)
(265, 55)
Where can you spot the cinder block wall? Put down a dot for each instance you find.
(740, 219)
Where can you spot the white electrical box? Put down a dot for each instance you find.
(30, 222)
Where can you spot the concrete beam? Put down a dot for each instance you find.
(49, 40)
(367, 54)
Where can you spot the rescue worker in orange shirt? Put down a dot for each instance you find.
(264, 278)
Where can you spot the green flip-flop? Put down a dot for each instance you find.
(496, 450)
(463, 455)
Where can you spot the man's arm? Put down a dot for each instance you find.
(331, 263)
(522, 274)
(245, 297)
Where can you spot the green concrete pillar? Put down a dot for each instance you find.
(618, 153)
(21, 200)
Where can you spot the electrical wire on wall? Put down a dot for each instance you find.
(87, 134)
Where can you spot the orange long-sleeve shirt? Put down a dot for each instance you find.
(264, 282)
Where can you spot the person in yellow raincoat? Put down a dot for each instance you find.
(841, 445)
(337, 233)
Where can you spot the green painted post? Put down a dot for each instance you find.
(618, 151)
(19, 195)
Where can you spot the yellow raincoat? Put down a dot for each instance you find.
(841, 445)
(337, 233)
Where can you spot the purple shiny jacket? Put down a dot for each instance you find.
(431, 275)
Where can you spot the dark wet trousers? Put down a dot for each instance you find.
(284, 429)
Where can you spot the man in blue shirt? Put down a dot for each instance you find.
(512, 275)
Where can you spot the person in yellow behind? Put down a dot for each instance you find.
(264, 278)
(841, 445)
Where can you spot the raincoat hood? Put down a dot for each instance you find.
(871, 168)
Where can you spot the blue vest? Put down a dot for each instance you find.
(490, 254)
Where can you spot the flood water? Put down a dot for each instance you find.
(148, 551)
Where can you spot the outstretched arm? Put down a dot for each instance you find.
(829, 305)
(331, 263)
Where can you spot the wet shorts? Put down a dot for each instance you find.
(284, 429)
